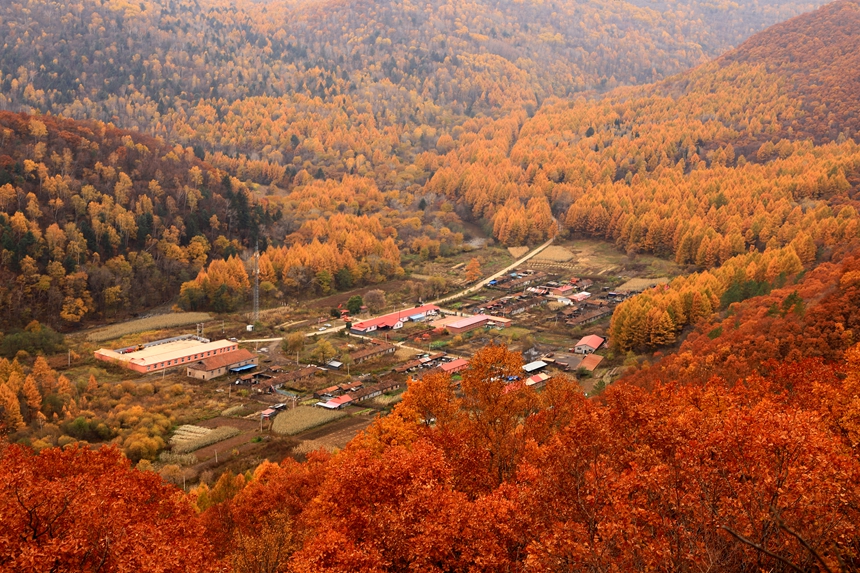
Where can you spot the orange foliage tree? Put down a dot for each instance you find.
(78, 509)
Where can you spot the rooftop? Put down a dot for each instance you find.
(295, 375)
(168, 351)
(371, 351)
(537, 379)
(389, 320)
(592, 341)
(591, 362)
(534, 366)
(445, 321)
(454, 365)
(477, 319)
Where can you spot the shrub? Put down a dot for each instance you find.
(36, 339)
(178, 459)
(89, 430)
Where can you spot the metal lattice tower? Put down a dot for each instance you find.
(256, 283)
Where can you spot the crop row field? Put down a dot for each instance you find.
(189, 438)
(297, 420)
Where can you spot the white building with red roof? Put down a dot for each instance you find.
(589, 344)
(394, 320)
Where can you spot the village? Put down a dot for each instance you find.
(303, 380)
(295, 378)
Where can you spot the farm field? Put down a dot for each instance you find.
(159, 322)
(297, 420)
(189, 438)
(554, 253)
(335, 435)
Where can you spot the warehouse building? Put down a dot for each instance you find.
(166, 353)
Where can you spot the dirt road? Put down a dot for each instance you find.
(484, 282)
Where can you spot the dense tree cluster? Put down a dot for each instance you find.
(418, 116)
(298, 88)
(817, 52)
(81, 510)
(657, 316)
(324, 255)
(759, 475)
(279, 88)
(813, 317)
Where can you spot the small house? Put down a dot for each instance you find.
(589, 344)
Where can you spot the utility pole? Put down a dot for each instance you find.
(256, 283)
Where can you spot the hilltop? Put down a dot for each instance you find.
(278, 88)
(818, 53)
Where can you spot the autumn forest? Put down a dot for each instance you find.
(188, 156)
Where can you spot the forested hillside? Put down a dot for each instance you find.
(380, 128)
(732, 156)
(343, 87)
(94, 219)
(729, 160)
(758, 329)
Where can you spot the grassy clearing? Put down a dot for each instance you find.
(144, 324)
(303, 418)
(188, 438)
(593, 256)
(514, 332)
(313, 446)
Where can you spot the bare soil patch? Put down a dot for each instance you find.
(242, 442)
(517, 252)
(555, 254)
